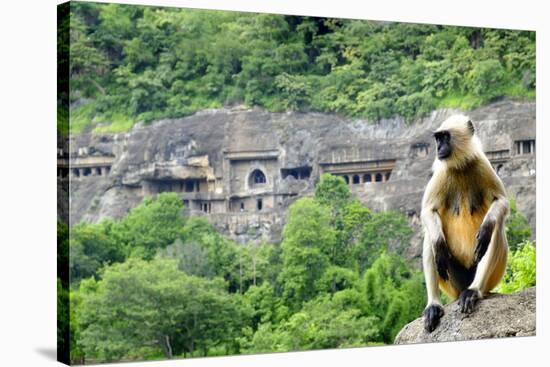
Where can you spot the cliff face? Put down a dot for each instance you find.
(497, 316)
(242, 168)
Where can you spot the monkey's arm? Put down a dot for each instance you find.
(436, 238)
(490, 253)
(494, 219)
(433, 311)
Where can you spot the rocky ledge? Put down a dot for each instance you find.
(497, 316)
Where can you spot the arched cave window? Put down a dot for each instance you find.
(367, 178)
(259, 204)
(499, 168)
(388, 176)
(378, 177)
(257, 177)
(346, 178)
(355, 179)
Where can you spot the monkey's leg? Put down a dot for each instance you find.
(433, 311)
(490, 254)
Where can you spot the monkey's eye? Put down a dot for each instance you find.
(442, 135)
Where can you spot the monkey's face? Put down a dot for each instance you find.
(444, 146)
(456, 141)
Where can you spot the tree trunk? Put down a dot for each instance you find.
(166, 346)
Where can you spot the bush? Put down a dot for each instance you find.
(521, 271)
(517, 227)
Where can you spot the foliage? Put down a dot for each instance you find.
(155, 284)
(140, 304)
(221, 254)
(93, 246)
(307, 245)
(517, 227)
(393, 293)
(382, 232)
(138, 63)
(324, 322)
(332, 190)
(154, 224)
(63, 319)
(521, 270)
(63, 253)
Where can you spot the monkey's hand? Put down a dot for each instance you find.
(468, 299)
(442, 258)
(432, 314)
(483, 238)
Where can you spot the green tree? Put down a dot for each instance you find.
(192, 257)
(324, 322)
(92, 246)
(154, 224)
(266, 305)
(393, 293)
(152, 304)
(384, 231)
(333, 191)
(308, 241)
(223, 255)
(336, 279)
(486, 79)
(87, 63)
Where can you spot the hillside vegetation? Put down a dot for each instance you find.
(140, 63)
(156, 284)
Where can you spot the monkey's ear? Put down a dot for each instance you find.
(471, 127)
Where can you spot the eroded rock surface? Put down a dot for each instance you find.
(210, 159)
(497, 316)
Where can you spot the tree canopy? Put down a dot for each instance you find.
(139, 63)
(156, 284)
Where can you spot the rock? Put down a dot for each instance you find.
(497, 316)
(221, 148)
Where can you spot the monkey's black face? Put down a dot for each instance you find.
(443, 140)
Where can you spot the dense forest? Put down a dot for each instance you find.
(137, 63)
(157, 284)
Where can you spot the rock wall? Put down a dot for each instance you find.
(209, 159)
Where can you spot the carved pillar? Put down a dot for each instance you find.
(520, 147)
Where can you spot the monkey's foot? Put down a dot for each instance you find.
(432, 314)
(468, 299)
